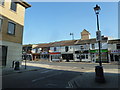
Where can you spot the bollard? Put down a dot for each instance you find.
(17, 65)
(99, 74)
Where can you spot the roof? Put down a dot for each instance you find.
(43, 45)
(85, 30)
(27, 45)
(23, 3)
(115, 41)
(91, 41)
(56, 44)
(63, 43)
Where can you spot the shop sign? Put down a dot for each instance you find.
(96, 51)
(55, 53)
(115, 51)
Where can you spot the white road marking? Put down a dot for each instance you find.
(46, 77)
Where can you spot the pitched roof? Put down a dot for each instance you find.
(115, 41)
(86, 31)
(63, 43)
(90, 41)
(42, 45)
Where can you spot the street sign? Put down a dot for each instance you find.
(98, 36)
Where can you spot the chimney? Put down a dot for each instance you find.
(85, 35)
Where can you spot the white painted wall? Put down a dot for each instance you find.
(111, 46)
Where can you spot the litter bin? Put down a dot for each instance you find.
(17, 65)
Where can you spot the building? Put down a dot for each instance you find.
(62, 50)
(41, 51)
(114, 50)
(11, 30)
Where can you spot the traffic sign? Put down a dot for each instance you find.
(98, 36)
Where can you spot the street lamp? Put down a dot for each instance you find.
(73, 46)
(72, 35)
(99, 69)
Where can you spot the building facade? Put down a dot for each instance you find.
(11, 30)
(114, 50)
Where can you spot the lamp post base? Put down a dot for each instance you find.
(99, 74)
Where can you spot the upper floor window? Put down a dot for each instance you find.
(1, 2)
(93, 46)
(118, 46)
(11, 28)
(13, 5)
(66, 49)
(55, 49)
(1, 20)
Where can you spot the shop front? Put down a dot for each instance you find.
(95, 55)
(55, 56)
(114, 55)
(82, 55)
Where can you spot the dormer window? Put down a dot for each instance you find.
(13, 6)
(1, 2)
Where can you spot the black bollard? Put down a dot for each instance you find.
(99, 74)
(17, 65)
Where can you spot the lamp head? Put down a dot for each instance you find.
(97, 9)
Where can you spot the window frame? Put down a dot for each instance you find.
(14, 28)
(12, 7)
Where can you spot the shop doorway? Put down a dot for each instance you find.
(116, 57)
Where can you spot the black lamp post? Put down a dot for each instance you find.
(73, 46)
(99, 69)
(72, 35)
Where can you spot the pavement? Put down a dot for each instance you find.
(85, 80)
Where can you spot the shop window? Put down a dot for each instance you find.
(118, 46)
(11, 28)
(82, 56)
(86, 56)
(1, 2)
(13, 5)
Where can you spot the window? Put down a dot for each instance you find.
(13, 6)
(55, 49)
(93, 46)
(66, 49)
(1, 2)
(11, 28)
(1, 20)
(118, 46)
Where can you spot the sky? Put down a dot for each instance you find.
(54, 21)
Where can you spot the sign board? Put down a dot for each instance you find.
(96, 51)
(98, 36)
(115, 51)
